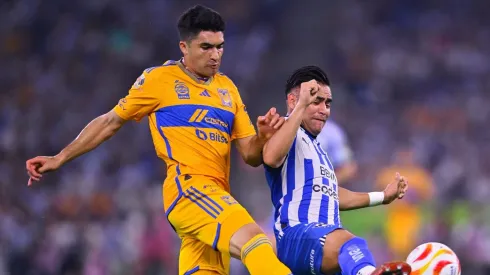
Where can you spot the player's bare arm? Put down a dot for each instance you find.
(96, 132)
(349, 200)
(277, 148)
(250, 148)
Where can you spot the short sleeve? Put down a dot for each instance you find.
(242, 124)
(142, 97)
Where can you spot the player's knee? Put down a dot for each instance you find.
(242, 236)
(354, 255)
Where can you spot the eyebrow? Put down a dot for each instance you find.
(212, 45)
(327, 100)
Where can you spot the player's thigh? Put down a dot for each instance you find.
(301, 247)
(333, 242)
(208, 213)
(199, 258)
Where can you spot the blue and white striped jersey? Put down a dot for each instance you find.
(304, 189)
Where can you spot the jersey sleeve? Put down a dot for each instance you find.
(142, 97)
(242, 124)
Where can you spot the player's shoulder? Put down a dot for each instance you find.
(155, 73)
(225, 80)
(168, 67)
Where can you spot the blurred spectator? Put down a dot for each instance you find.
(403, 220)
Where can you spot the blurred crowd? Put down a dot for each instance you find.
(411, 88)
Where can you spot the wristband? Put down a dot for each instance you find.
(376, 198)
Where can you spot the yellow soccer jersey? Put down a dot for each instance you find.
(192, 122)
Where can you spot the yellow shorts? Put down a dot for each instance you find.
(205, 218)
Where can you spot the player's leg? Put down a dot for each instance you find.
(245, 240)
(250, 244)
(326, 249)
(351, 254)
(198, 258)
(300, 247)
(209, 214)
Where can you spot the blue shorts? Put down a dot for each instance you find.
(301, 247)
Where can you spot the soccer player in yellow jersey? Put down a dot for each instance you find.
(195, 112)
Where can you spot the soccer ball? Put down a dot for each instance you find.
(434, 259)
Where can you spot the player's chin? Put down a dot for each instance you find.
(318, 125)
(212, 70)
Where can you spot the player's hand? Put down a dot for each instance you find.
(39, 165)
(268, 124)
(396, 189)
(308, 92)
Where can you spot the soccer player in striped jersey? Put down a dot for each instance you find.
(305, 193)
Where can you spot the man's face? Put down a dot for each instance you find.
(317, 113)
(202, 54)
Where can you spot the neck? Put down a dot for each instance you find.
(198, 76)
(312, 136)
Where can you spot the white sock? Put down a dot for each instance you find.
(367, 270)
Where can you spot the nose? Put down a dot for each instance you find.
(323, 110)
(215, 53)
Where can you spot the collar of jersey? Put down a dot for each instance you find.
(192, 75)
(312, 137)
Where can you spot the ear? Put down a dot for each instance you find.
(291, 100)
(184, 48)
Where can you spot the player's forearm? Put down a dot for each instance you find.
(278, 146)
(349, 200)
(253, 156)
(96, 132)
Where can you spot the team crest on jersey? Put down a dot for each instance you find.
(225, 97)
(139, 81)
(182, 90)
(229, 200)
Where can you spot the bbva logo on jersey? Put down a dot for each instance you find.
(212, 136)
(182, 90)
(225, 97)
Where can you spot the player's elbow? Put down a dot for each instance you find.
(251, 159)
(107, 125)
(272, 160)
(112, 121)
(254, 162)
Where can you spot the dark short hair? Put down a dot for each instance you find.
(305, 74)
(199, 18)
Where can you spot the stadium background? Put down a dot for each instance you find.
(411, 84)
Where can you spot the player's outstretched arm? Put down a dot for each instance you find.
(97, 131)
(349, 200)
